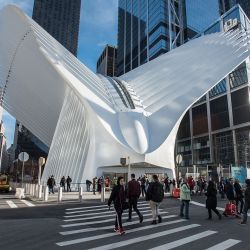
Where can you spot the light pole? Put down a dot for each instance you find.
(129, 169)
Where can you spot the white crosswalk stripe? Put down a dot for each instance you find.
(29, 204)
(11, 204)
(224, 245)
(95, 226)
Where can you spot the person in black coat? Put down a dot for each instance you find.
(211, 202)
(239, 196)
(230, 192)
(247, 203)
(118, 197)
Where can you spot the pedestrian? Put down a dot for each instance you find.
(155, 195)
(166, 182)
(88, 184)
(119, 199)
(68, 181)
(143, 185)
(222, 188)
(99, 185)
(133, 194)
(211, 202)
(94, 184)
(62, 183)
(247, 203)
(239, 196)
(51, 183)
(230, 191)
(185, 197)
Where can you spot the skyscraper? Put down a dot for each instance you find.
(225, 5)
(61, 19)
(106, 64)
(144, 31)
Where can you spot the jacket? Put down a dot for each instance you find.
(211, 194)
(238, 190)
(230, 192)
(117, 196)
(185, 192)
(247, 195)
(134, 189)
(155, 192)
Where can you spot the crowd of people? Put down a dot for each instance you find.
(126, 197)
(51, 183)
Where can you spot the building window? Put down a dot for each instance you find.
(239, 76)
(200, 125)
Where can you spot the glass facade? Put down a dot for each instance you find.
(143, 31)
(61, 19)
(219, 120)
(226, 5)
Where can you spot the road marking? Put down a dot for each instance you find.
(11, 204)
(102, 221)
(28, 203)
(102, 236)
(99, 209)
(184, 241)
(144, 238)
(79, 208)
(109, 227)
(99, 216)
(224, 245)
(107, 212)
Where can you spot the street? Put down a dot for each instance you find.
(90, 226)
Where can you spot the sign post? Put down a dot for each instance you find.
(41, 162)
(23, 156)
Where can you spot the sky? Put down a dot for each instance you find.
(98, 27)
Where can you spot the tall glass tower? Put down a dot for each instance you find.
(144, 31)
(61, 19)
(228, 4)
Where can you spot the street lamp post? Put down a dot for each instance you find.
(129, 169)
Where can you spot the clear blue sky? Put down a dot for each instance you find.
(97, 28)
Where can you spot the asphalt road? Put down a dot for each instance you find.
(65, 226)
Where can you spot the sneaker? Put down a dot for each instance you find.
(129, 220)
(209, 218)
(243, 223)
(225, 214)
(159, 219)
(121, 231)
(187, 218)
(141, 219)
(116, 229)
(154, 222)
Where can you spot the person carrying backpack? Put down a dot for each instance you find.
(155, 195)
(185, 197)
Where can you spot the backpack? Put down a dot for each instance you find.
(157, 192)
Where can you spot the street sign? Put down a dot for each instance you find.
(178, 159)
(123, 161)
(23, 156)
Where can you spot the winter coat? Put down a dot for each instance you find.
(238, 190)
(134, 189)
(211, 194)
(155, 192)
(185, 192)
(117, 196)
(230, 192)
(247, 195)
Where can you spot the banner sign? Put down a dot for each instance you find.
(239, 173)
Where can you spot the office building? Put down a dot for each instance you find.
(215, 132)
(226, 5)
(61, 19)
(144, 31)
(106, 64)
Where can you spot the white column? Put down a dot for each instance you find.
(103, 192)
(80, 194)
(39, 195)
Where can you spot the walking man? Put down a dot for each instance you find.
(143, 185)
(51, 183)
(185, 197)
(155, 195)
(247, 203)
(62, 183)
(133, 194)
(239, 196)
(68, 184)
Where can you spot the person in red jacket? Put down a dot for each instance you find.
(133, 194)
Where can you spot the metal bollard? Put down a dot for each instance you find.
(103, 194)
(36, 190)
(59, 194)
(80, 193)
(39, 191)
(46, 193)
(33, 189)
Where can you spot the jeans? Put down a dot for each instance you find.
(143, 190)
(184, 203)
(51, 190)
(133, 204)
(155, 208)
(118, 218)
(245, 209)
(239, 199)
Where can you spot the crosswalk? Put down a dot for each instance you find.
(92, 226)
(15, 203)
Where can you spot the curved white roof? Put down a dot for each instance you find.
(91, 121)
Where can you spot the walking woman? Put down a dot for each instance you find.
(211, 202)
(119, 199)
